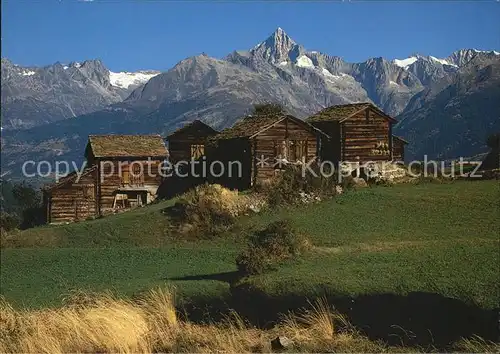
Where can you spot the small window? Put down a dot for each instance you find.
(137, 175)
(281, 149)
(298, 150)
(290, 150)
(197, 151)
(125, 177)
(88, 192)
(137, 167)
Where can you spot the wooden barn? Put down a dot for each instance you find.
(72, 198)
(123, 172)
(259, 142)
(123, 163)
(359, 132)
(398, 148)
(189, 141)
(186, 144)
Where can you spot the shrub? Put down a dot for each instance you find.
(286, 188)
(207, 209)
(8, 221)
(254, 261)
(292, 186)
(347, 182)
(270, 247)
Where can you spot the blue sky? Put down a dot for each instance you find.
(132, 35)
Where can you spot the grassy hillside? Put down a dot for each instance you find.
(140, 227)
(439, 238)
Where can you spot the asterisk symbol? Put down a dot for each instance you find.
(279, 162)
(262, 161)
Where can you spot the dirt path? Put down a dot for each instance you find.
(381, 246)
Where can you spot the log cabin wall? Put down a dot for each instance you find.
(72, 200)
(230, 151)
(366, 136)
(189, 141)
(184, 146)
(180, 148)
(398, 149)
(284, 138)
(330, 148)
(123, 177)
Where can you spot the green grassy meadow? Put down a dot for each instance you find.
(43, 277)
(436, 238)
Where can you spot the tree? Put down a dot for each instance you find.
(29, 205)
(26, 196)
(266, 109)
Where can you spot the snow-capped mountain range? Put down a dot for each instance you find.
(220, 91)
(457, 59)
(34, 96)
(127, 80)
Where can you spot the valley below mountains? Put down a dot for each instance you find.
(446, 107)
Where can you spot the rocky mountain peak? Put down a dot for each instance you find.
(93, 64)
(463, 56)
(277, 47)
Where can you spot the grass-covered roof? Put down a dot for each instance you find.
(400, 139)
(249, 126)
(338, 112)
(344, 111)
(127, 146)
(196, 127)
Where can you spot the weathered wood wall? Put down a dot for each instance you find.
(330, 148)
(180, 147)
(179, 144)
(111, 181)
(398, 149)
(229, 151)
(366, 137)
(72, 200)
(264, 145)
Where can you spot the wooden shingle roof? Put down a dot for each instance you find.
(127, 146)
(70, 178)
(400, 139)
(252, 125)
(196, 127)
(248, 126)
(342, 112)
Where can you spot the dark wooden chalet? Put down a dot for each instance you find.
(122, 173)
(259, 142)
(359, 132)
(189, 141)
(398, 148)
(186, 144)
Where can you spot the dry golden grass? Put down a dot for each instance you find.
(477, 345)
(318, 320)
(221, 200)
(217, 198)
(104, 323)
